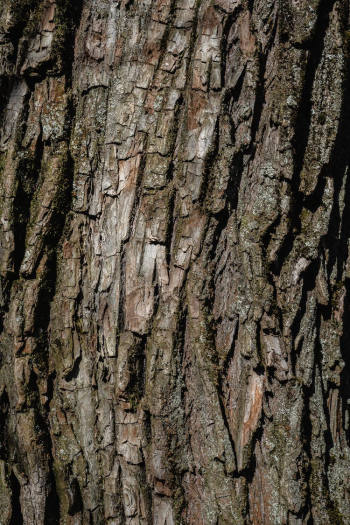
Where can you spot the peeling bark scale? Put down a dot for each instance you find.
(174, 262)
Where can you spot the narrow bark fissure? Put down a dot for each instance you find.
(16, 515)
(307, 440)
(226, 46)
(344, 390)
(309, 282)
(174, 230)
(303, 118)
(28, 173)
(4, 410)
(303, 122)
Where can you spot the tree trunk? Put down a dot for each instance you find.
(174, 258)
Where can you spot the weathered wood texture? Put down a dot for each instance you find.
(174, 235)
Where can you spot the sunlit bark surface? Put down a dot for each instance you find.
(174, 236)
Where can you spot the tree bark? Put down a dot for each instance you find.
(174, 260)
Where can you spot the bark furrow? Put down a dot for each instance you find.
(174, 262)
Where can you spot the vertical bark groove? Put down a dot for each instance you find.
(174, 262)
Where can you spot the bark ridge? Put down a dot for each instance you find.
(174, 262)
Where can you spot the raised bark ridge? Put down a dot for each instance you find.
(174, 232)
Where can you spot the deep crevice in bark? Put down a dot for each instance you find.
(303, 121)
(16, 516)
(231, 279)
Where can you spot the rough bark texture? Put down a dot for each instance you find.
(174, 258)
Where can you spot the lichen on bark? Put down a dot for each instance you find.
(174, 253)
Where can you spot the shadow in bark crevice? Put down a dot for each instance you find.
(306, 435)
(28, 172)
(302, 126)
(226, 45)
(344, 389)
(17, 516)
(309, 283)
(52, 507)
(4, 410)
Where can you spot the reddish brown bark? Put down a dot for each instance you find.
(174, 234)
